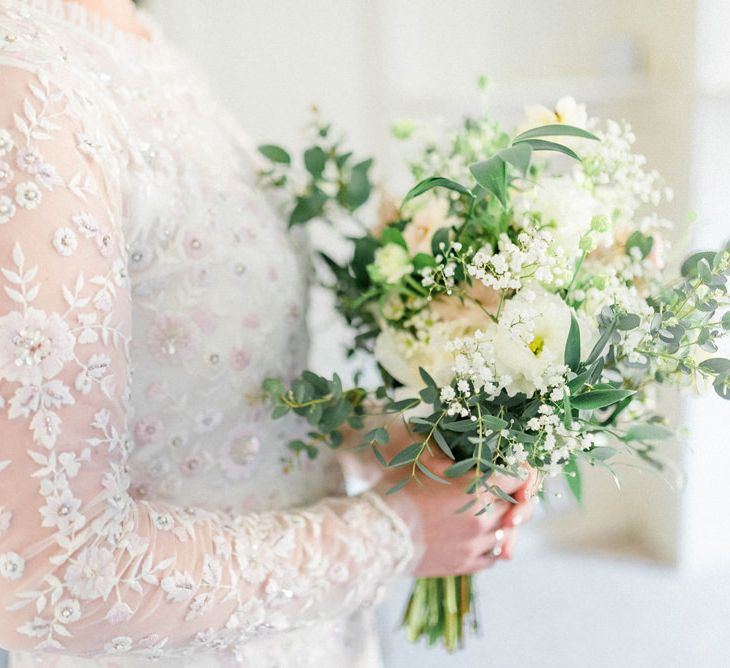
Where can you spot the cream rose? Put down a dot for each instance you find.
(431, 216)
(401, 353)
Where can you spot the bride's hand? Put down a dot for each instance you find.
(449, 542)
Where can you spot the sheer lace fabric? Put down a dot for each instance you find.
(148, 506)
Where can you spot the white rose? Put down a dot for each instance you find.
(564, 206)
(431, 216)
(392, 263)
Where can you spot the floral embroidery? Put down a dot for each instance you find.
(6, 174)
(33, 346)
(7, 209)
(11, 566)
(6, 142)
(136, 328)
(172, 338)
(239, 454)
(148, 430)
(28, 195)
(92, 574)
(28, 160)
(65, 241)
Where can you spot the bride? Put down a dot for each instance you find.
(148, 506)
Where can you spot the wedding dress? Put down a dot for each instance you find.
(149, 507)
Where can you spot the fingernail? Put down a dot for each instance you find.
(516, 520)
(499, 535)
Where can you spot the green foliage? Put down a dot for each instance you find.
(333, 179)
(572, 344)
(436, 182)
(275, 153)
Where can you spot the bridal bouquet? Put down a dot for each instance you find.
(515, 307)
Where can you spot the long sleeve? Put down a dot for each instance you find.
(85, 569)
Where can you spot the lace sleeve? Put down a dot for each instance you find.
(85, 569)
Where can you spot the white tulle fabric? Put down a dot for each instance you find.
(149, 507)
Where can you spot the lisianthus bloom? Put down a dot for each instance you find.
(567, 111)
(530, 338)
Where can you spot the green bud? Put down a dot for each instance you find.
(600, 224)
(403, 129)
(587, 243)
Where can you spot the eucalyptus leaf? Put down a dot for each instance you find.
(649, 431)
(459, 426)
(689, 266)
(442, 443)
(315, 160)
(599, 398)
(275, 153)
(572, 344)
(493, 422)
(573, 478)
(460, 468)
(430, 474)
(407, 455)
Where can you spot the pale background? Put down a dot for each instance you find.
(639, 578)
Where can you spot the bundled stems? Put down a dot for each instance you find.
(439, 610)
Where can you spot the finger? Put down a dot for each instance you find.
(508, 484)
(509, 546)
(520, 513)
(492, 544)
(479, 564)
(493, 518)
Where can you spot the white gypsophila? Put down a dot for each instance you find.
(533, 258)
(563, 205)
(474, 371)
(444, 273)
(556, 442)
(618, 176)
(434, 149)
